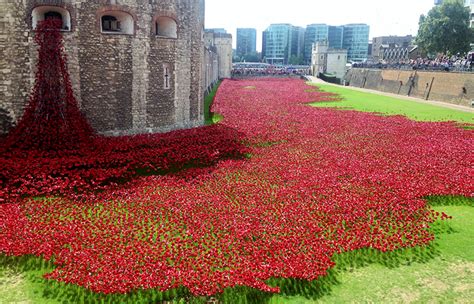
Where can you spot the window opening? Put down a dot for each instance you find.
(110, 24)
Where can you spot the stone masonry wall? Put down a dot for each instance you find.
(210, 68)
(456, 88)
(15, 65)
(223, 44)
(125, 83)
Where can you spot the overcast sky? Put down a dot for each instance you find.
(385, 17)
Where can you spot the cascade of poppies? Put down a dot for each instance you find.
(52, 120)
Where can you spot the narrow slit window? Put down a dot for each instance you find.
(167, 76)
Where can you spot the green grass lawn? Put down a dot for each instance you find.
(369, 102)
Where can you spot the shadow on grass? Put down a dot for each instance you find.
(33, 268)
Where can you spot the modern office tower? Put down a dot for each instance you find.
(313, 34)
(277, 43)
(335, 36)
(297, 42)
(246, 41)
(264, 44)
(322, 32)
(356, 41)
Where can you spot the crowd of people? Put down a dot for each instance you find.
(239, 70)
(440, 63)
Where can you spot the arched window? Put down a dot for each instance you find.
(166, 27)
(45, 12)
(117, 22)
(53, 15)
(110, 24)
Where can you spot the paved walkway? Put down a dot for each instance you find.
(432, 102)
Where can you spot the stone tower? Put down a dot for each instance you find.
(135, 65)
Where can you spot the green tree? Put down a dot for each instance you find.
(446, 29)
(252, 58)
(296, 60)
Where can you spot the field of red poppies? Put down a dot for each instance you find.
(274, 191)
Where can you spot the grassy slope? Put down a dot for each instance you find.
(369, 102)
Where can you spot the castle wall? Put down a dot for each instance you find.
(125, 83)
(223, 44)
(217, 60)
(15, 67)
(210, 68)
(456, 88)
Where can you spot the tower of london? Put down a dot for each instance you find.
(135, 65)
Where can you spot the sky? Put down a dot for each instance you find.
(385, 17)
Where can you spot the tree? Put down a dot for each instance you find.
(252, 57)
(446, 29)
(296, 60)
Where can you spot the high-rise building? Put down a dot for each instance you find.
(322, 32)
(335, 36)
(246, 41)
(276, 44)
(297, 42)
(356, 41)
(313, 34)
(281, 41)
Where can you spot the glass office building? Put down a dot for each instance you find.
(335, 36)
(246, 41)
(297, 42)
(313, 34)
(277, 43)
(356, 41)
(322, 32)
